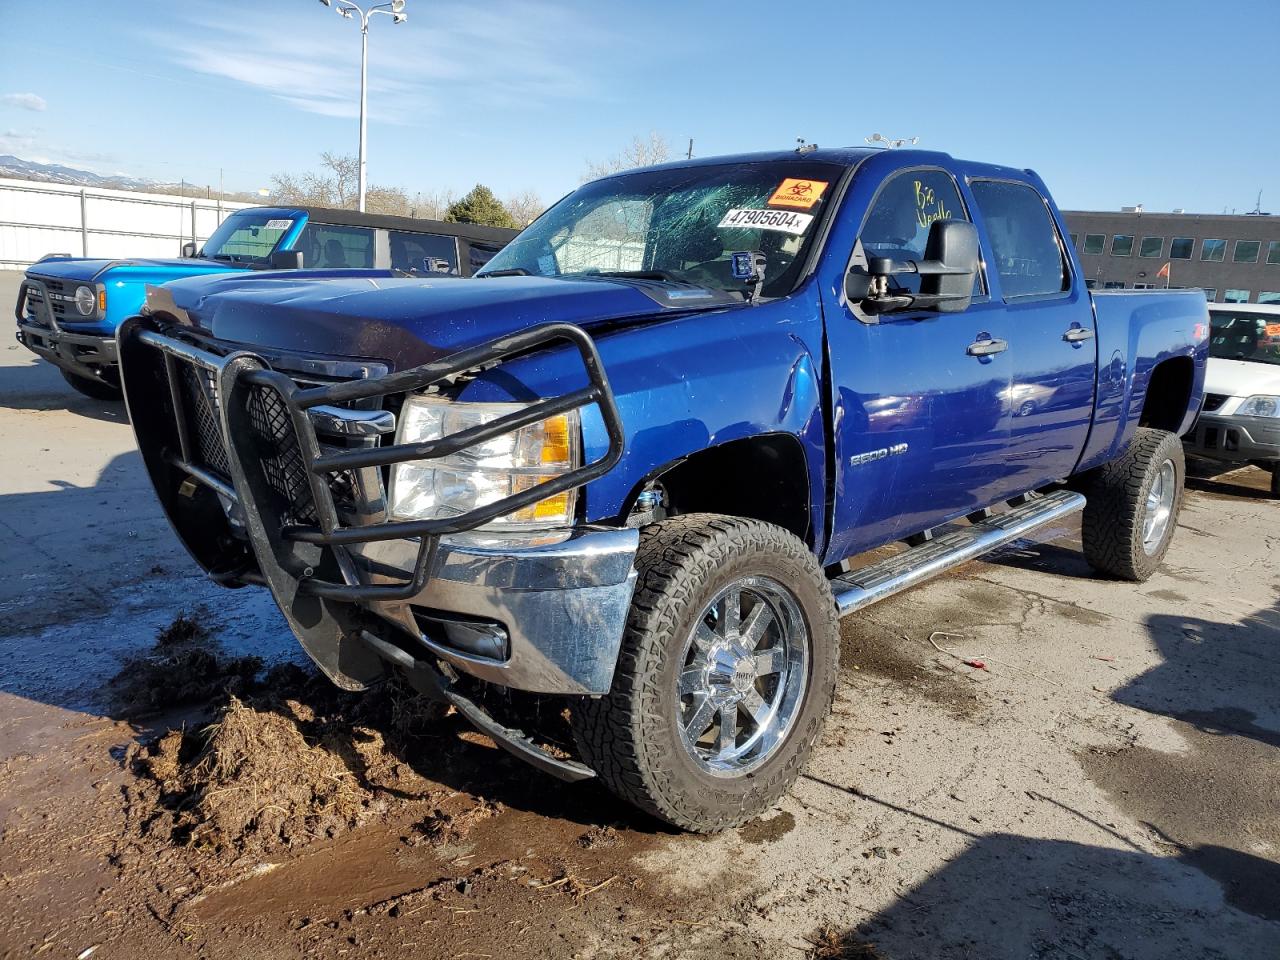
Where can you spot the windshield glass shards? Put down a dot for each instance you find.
(683, 225)
(1245, 336)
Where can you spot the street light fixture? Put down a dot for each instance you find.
(877, 138)
(348, 10)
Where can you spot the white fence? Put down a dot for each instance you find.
(41, 218)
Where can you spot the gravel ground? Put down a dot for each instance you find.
(1107, 787)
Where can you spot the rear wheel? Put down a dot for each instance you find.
(726, 673)
(1133, 505)
(90, 387)
(1275, 480)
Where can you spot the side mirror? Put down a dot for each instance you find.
(947, 273)
(285, 259)
(188, 250)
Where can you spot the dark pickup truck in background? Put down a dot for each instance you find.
(634, 463)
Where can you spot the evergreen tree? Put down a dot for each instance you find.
(482, 207)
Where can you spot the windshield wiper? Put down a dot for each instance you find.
(509, 272)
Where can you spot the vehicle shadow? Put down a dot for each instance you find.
(39, 386)
(1011, 897)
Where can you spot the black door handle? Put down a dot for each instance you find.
(985, 348)
(1078, 335)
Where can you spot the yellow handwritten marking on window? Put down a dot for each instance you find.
(798, 193)
(928, 207)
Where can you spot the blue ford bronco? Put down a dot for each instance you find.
(634, 467)
(69, 308)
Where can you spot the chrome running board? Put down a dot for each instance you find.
(866, 585)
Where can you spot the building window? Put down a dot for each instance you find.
(1246, 251)
(1091, 284)
(1151, 246)
(1181, 248)
(1096, 243)
(1215, 250)
(1211, 294)
(1269, 296)
(1236, 296)
(1113, 285)
(1075, 240)
(1273, 251)
(1122, 245)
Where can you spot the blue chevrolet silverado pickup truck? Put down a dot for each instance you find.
(69, 308)
(634, 467)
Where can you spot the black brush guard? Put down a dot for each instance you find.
(240, 375)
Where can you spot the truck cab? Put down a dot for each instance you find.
(69, 308)
(638, 465)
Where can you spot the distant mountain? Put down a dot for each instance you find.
(20, 169)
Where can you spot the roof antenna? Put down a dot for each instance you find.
(805, 146)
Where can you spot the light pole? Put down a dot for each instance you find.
(879, 139)
(348, 8)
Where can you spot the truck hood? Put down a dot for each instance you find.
(91, 270)
(403, 321)
(1242, 378)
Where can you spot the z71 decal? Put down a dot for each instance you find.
(783, 220)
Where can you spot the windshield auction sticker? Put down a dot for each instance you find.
(801, 194)
(277, 225)
(782, 220)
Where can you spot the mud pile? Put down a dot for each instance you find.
(291, 761)
(185, 666)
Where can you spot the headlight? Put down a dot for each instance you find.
(1260, 407)
(86, 301)
(486, 472)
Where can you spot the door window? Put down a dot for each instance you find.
(481, 253)
(1023, 238)
(898, 224)
(327, 245)
(423, 253)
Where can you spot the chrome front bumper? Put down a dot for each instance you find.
(540, 616)
(547, 618)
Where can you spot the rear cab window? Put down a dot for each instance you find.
(423, 253)
(1025, 245)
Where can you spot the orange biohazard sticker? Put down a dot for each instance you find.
(798, 193)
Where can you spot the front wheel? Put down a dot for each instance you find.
(1132, 507)
(727, 670)
(90, 387)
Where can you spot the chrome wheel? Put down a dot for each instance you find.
(743, 677)
(1155, 522)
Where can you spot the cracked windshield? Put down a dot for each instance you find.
(682, 225)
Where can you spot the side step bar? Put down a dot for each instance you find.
(866, 585)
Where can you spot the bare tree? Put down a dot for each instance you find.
(524, 207)
(433, 205)
(642, 152)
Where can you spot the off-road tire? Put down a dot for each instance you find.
(1275, 481)
(90, 387)
(1111, 527)
(631, 736)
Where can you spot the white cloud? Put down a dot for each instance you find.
(509, 52)
(27, 101)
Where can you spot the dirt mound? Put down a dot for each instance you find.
(185, 666)
(295, 762)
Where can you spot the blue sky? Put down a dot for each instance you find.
(1168, 104)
